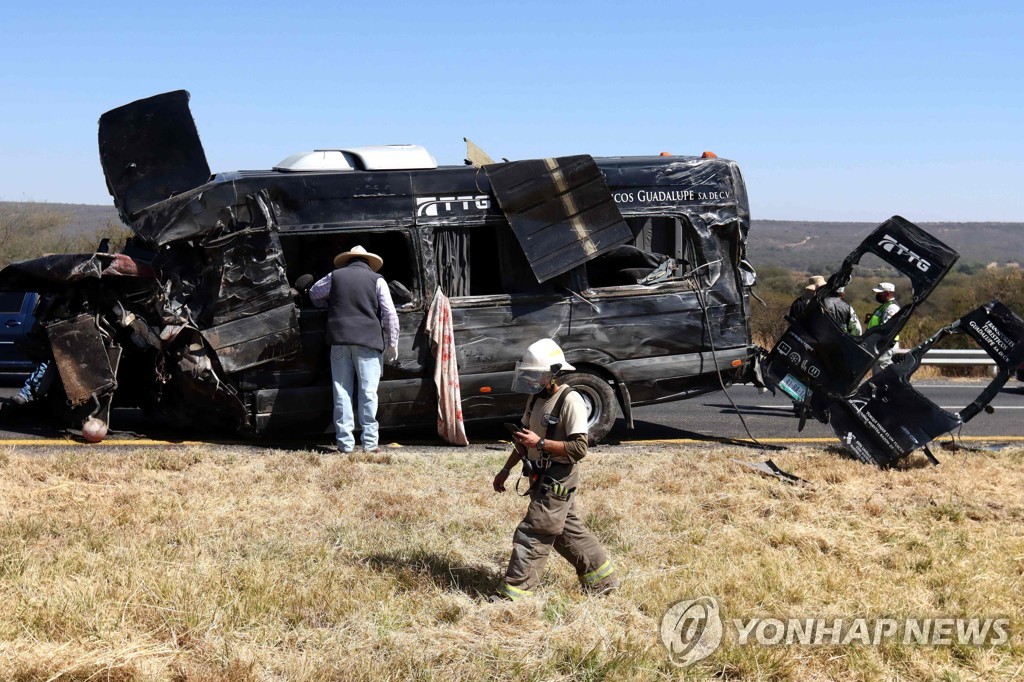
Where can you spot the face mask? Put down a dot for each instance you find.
(880, 298)
(530, 381)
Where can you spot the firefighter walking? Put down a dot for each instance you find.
(551, 441)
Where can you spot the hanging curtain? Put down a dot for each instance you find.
(451, 254)
(446, 371)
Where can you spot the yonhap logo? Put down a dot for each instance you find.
(691, 630)
(890, 244)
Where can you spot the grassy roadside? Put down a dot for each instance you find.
(211, 563)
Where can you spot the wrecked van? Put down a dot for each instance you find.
(636, 266)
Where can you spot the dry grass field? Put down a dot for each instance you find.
(236, 563)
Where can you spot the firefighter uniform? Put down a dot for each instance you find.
(552, 520)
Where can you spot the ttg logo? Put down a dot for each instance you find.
(691, 630)
(890, 244)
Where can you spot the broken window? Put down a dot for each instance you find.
(314, 255)
(467, 260)
(656, 240)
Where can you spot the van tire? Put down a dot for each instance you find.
(599, 397)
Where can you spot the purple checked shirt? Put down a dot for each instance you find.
(321, 291)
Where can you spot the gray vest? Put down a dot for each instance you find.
(353, 311)
(839, 310)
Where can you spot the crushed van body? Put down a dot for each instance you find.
(204, 315)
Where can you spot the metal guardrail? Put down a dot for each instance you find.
(957, 357)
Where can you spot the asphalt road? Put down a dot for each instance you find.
(769, 416)
(708, 417)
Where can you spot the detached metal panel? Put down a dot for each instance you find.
(87, 367)
(150, 151)
(561, 211)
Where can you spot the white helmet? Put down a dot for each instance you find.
(541, 361)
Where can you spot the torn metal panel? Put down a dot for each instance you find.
(53, 273)
(244, 270)
(475, 156)
(814, 353)
(87, 364)
(256, 339)
(150, 151)
(561, 210)
(999, 332)
(887, 419)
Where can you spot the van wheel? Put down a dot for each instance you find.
(599, 397)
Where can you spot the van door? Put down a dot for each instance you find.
(297, 393)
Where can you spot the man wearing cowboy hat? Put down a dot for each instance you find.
(800, 304)
(362, 330)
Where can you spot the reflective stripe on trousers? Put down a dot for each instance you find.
(553, 523)
(513, 593)
(602, 572)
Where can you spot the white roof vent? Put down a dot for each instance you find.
(319, 160)
(379, 157)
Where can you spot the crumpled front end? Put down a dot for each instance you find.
(166, 327)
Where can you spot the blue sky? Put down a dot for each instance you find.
(833, 112)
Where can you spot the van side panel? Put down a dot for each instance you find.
(491, 334)
(656, 338)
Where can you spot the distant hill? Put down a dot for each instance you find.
(83, 218)
(793, 244)
(821, 246)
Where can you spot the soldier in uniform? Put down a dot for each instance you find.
(551, 441)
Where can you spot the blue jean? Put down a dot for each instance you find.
(352, 365)
(38, 382)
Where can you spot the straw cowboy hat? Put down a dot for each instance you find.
(342, 259)
(815, 283)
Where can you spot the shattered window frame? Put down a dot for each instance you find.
(684, 273)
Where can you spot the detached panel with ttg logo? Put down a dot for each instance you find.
(815, 361)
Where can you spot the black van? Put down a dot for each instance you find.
(634, 265)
